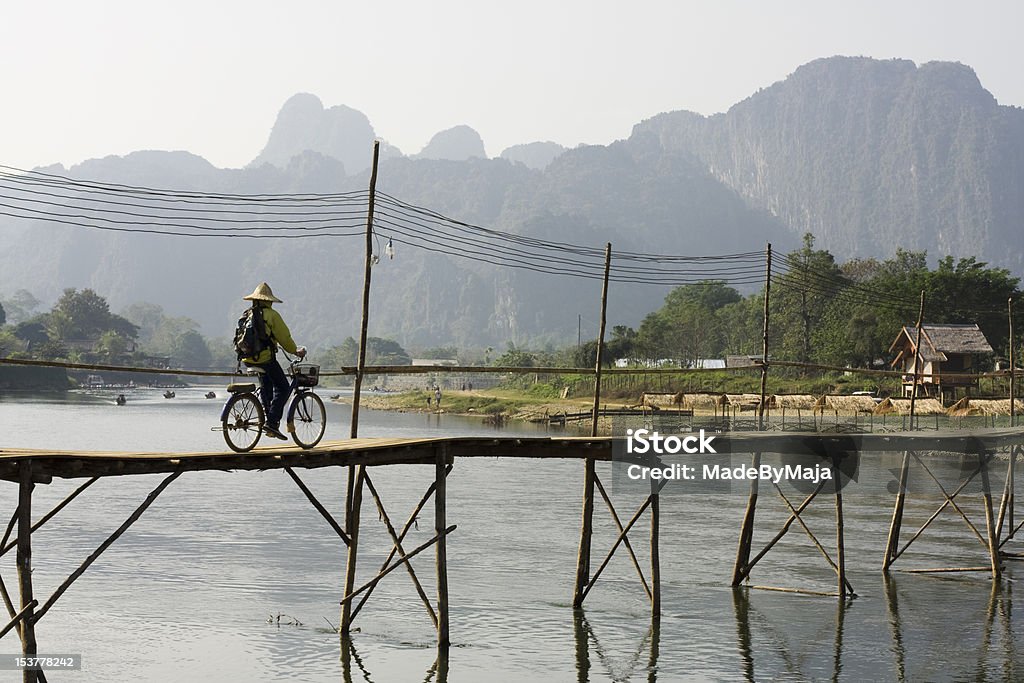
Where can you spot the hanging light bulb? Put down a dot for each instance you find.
(389, 250)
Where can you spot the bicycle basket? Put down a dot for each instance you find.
(306, 374)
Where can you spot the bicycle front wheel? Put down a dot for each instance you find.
(307, 419)
(242, 422)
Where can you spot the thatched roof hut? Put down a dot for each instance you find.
(702, 401)
(982, 406)
(661, 400)
(841, 403)
(792, 402)
(741, 402)
(901, 406)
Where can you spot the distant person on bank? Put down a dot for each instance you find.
(274, 384)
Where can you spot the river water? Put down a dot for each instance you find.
(235, 577)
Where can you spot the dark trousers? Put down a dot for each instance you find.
(274, 390)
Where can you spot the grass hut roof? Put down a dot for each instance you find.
(661, 400)
(693, 401)
(901, 406)
(982, 406)
(742, 401)
(792, 401)
(844, 404)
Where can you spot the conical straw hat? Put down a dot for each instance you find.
(262, 293)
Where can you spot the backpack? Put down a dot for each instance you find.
(251, 334)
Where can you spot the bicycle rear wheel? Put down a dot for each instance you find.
(307, 419)
(242, 422)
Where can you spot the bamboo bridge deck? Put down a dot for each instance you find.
(32, 467)
(49, 463)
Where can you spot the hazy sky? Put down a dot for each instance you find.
(87, 79)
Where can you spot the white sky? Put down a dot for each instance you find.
(88, 79)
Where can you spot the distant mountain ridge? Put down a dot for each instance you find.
(868, 155)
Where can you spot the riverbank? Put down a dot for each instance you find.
(493, 405)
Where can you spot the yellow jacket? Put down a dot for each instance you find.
(278, 332)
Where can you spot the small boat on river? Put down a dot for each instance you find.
(168, 394)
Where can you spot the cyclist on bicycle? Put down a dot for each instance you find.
(274, 384)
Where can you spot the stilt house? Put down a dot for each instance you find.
(951, 358)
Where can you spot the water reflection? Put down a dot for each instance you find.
(793, 658)
(774, 645)
(585, 638)
(437, 673)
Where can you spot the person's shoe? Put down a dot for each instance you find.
(274, 432)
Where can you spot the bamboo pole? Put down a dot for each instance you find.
(655, 553)
(318, 505)
(103, 546)
(24, 563)
(361, 362)
(740, 567)
(625, 540)
(15, 621)
(764, 337)
(897, 515)
(48, 516)
(8, 603)
(355, 505)
(618, 539)
(935, 514)
(405, 530)
(801, 591)
(398, 544)
(893, 541)
(590, 467)
(600, 338)
(917, 361)
(783, 531)
(1013, 374)
(347, 600)
(841, 572)
(990, 527)
(952, 502)
(1013, 414)
(840, 543)
(440, 514)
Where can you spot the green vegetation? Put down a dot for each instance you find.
(81, 328)
(456, 402)
(823, 312)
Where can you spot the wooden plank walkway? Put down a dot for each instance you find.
(48, 463)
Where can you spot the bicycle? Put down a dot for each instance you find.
(242, 418)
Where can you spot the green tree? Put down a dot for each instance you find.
(379, 351)
(515, 357)
(808, 281)
(687, 327)
(84, 315)
(191, 351)
(111, 345)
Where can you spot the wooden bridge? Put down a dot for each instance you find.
(31, 468)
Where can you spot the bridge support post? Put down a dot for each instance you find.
(892, 545)
(24, 562)
(354, 505)
(440, 523)
(741, 566)
(586, 534)
(655, 552)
